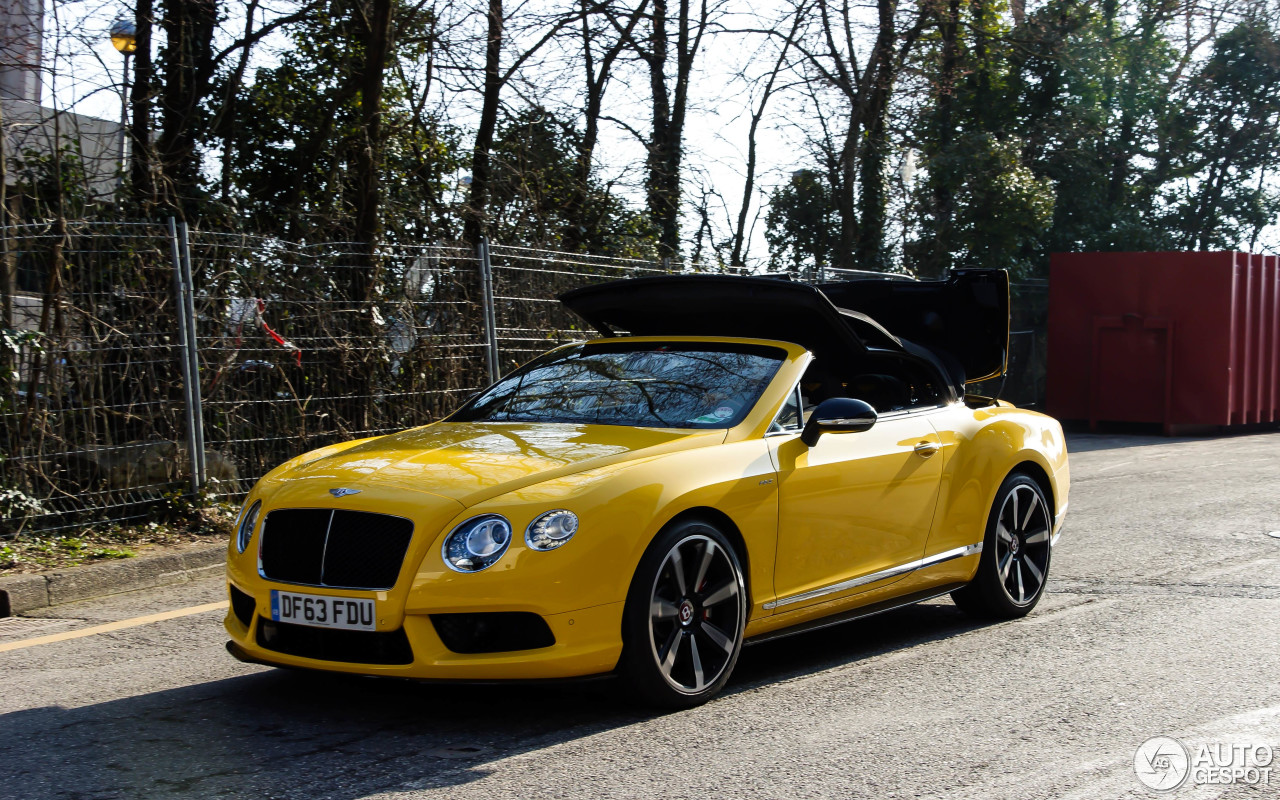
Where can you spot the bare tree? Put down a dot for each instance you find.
(142, 160)
(670, 104)
(757, 114)
(597, 72)
(865, 88)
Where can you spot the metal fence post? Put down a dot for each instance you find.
(184, 359)
(198, 465)
(490, 311)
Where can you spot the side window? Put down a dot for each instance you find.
(887, 384)
(896, 384)
(788, 418)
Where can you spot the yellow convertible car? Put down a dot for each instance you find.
(737, 459)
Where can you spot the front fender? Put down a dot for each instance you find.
(620, 508)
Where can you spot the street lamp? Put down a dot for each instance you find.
(124, 38)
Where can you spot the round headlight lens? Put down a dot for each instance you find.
(477, 543)
(247, 522)
(551, 530)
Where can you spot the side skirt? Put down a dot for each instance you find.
(861, 612)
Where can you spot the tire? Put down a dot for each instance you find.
(684, 617)
(1014, 567)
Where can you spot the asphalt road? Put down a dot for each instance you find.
(1161, 619)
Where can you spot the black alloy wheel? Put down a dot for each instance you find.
(685, 615)
(1014, 566)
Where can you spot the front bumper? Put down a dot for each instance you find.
(1058, 520)
(587, 642)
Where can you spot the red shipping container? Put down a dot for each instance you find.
(1183, 339)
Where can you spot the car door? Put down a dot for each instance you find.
(852, 506)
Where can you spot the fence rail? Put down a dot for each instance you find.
(145, 361)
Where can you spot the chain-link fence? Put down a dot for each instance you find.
(91, 410)
(287, 364)
(104, 322)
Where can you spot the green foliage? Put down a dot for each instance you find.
(535, 176)
(1079, 131)
(1002, 207)
(14, 503)
(801, 224)
(1232, 137)
(52, 184)
(299, 133)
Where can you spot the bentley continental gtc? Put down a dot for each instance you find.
(736, 459)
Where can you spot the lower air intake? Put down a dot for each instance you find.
(493, 632)
(242, 605)
(352, 647)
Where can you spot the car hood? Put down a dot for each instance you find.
(472, 461)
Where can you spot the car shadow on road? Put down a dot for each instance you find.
(284, 734)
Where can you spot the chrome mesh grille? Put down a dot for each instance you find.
(334, 548)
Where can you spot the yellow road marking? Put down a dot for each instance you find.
(112, 626)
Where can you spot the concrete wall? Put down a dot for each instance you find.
(21, 31)
(32, 127)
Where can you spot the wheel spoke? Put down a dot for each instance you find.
(717, 636)
(673, 647)
(1031, 509)
(661, 608)
(1035, 571)
(1039, 537)
(699, 680)
(1022, 593)
(677, 569)
(721, 593)
(700, 575)
(1013, 496)
(708, 552)
(1003, 533)
(1004, 566)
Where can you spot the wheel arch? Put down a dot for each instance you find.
(727, 526)
(712, 516)
(1040, 475)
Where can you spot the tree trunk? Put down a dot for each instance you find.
(875, 144)
(939, 260)
(185, 63)
(659, 161)
(748, 184)
(596, 81)
(842, 191)
(476, 223)
(142, 187)
(377, 46)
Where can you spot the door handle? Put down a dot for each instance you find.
(926, 449)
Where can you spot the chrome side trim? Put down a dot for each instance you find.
(849, 616)
(901, 569)
(914, 412)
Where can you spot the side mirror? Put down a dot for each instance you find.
(838, 415)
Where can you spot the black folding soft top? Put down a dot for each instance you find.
(964, 318)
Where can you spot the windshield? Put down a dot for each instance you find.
(642, 384)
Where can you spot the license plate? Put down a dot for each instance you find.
(322, 611)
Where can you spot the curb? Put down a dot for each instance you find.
(22, 593)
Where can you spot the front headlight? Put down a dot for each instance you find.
(551, 530)
(245, 532)
(477, 543)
